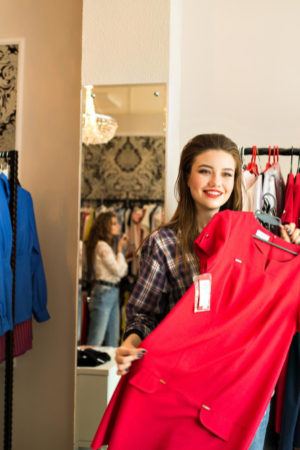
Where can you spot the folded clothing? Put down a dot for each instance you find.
(91, 358)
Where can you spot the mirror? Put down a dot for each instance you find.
(125, 176)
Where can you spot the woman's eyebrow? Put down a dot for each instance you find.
(211, 167)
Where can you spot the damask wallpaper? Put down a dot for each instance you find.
(8, 95)
(127, 166)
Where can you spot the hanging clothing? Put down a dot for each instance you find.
(31, 290)
(290, 424)
(296, 209)
(269, 187)
(252, 191)
(280, 190)
(6, 322)
(208, 376)
(248, 190)
(22, 340)
(145, 223)
(288, 212)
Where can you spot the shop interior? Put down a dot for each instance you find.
(164, 71)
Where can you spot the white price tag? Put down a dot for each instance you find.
(262, 235)
(202, 293)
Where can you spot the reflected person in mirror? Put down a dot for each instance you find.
(105, 268)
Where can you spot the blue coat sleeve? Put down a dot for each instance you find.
(39, 289)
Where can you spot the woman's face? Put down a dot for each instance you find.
(115, 228)
(211, 180)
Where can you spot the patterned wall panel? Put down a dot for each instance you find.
(8, 95)
(132, 166)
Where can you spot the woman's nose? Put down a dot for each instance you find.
(215, 180)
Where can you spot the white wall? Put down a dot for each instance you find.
(235, 70)
(125, 42)
(49, 169)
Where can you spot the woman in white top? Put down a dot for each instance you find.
(105, 268)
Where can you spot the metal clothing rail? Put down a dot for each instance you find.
(12, 159)
(265, 151)
(125, 201)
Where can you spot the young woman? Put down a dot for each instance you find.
(209, 180)
(106, 269)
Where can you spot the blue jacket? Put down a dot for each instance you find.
(5, 254)
(31, 291)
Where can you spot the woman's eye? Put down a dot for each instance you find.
(204, 171)
(228, 174)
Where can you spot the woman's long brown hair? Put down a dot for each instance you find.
(100, 231)
(184, 220)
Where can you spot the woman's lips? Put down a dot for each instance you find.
(213, 193)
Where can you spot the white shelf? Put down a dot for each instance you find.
(94, 388)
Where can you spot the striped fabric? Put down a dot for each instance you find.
(22, 339)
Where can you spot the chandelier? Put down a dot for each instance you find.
(96, 128)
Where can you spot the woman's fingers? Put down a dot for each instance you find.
(125, 356)
(290, 233)
(295, 237)
(284, 233)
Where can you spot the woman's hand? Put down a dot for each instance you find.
(290, 233)
(127, 353)
(122, 243)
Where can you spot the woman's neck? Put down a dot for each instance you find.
(204, 217)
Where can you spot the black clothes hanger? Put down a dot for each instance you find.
(266, 215)
(267, 219)
(275, 245)
(292, 156)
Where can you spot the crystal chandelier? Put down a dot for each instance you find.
(97, 128)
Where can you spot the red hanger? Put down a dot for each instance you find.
(275, 160)
(252, 166)
(268, 165)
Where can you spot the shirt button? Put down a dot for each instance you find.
(206, 407)
(207, 236)
(162, 382)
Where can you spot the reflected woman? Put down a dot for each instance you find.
(105, 268)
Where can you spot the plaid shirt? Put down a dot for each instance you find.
(161, 283)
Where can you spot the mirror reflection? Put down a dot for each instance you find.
(122, 201)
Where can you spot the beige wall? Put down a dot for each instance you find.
(125, 42)
(233, 70)
(49, 166)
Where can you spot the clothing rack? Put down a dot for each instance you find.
(12, 158)
(128, 202)
(265, 151)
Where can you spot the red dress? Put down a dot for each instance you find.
(208, 376)
(288, 212)
(297, 201)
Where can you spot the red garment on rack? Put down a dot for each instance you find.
(22, 339)
(288, 212)
(208, 377)
(297, 201)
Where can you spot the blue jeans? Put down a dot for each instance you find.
(259, 438)
(104, 316)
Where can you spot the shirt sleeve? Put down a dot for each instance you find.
(39, 288)
(147, 304)
(115, 264)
